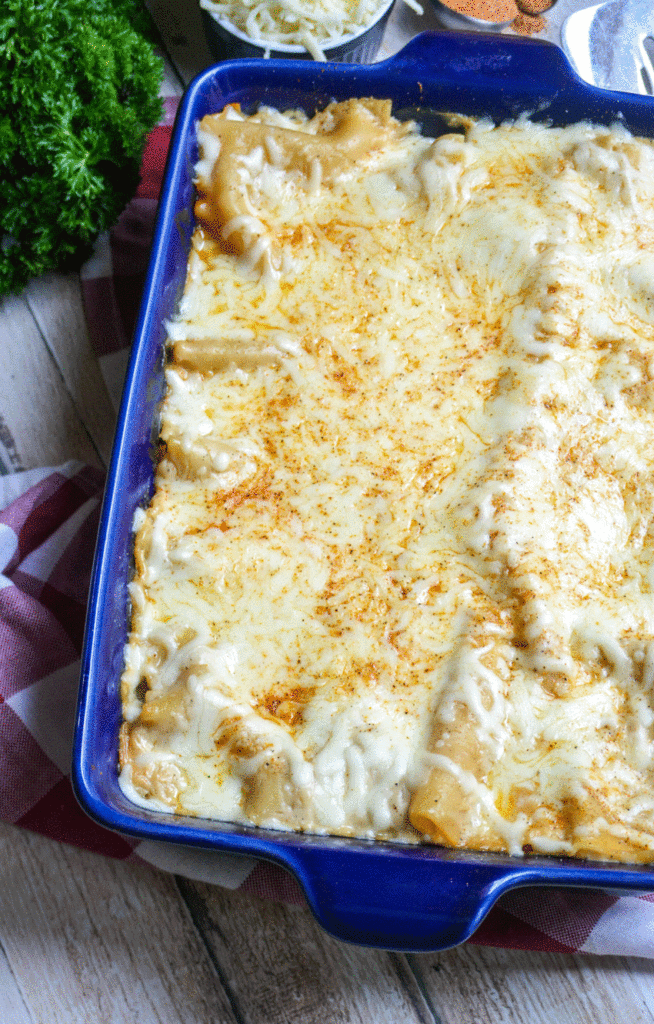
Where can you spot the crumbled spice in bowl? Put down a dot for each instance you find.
(528, 24)
(495, 11)
(524, 16)
(534, 7)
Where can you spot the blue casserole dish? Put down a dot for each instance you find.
(376, 894)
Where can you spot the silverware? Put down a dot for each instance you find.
(611, 45)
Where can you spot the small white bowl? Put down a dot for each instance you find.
(227, 42)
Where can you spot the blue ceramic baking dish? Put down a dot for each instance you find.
(377, 894)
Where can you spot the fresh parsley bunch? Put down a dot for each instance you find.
(79, 91)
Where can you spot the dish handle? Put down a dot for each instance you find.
(408, 900)
(460, 57)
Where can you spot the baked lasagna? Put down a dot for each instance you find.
(396, 580)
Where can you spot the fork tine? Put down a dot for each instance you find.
(647, 56)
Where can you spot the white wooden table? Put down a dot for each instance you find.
(89, 940)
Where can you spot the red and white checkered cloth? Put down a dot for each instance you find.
(47, 531)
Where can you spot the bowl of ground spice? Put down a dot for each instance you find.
(523, 16)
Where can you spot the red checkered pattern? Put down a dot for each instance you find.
(46, 541)
(47, 532)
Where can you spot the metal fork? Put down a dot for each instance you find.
(611, 45)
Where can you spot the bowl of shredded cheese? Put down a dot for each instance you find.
(325, 30)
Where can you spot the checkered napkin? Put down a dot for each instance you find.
(47, 531)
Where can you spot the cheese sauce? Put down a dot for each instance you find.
(397, 577)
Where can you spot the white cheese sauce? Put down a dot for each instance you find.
(402, 540)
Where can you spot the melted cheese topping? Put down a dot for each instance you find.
(397, 578)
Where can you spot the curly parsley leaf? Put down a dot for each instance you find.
(79, 91)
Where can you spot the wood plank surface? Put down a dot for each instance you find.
(13, 1007)
(282, 966)
(498, 986)
(180, 27)
(88, 940)
(55, 302)
(38, 410)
